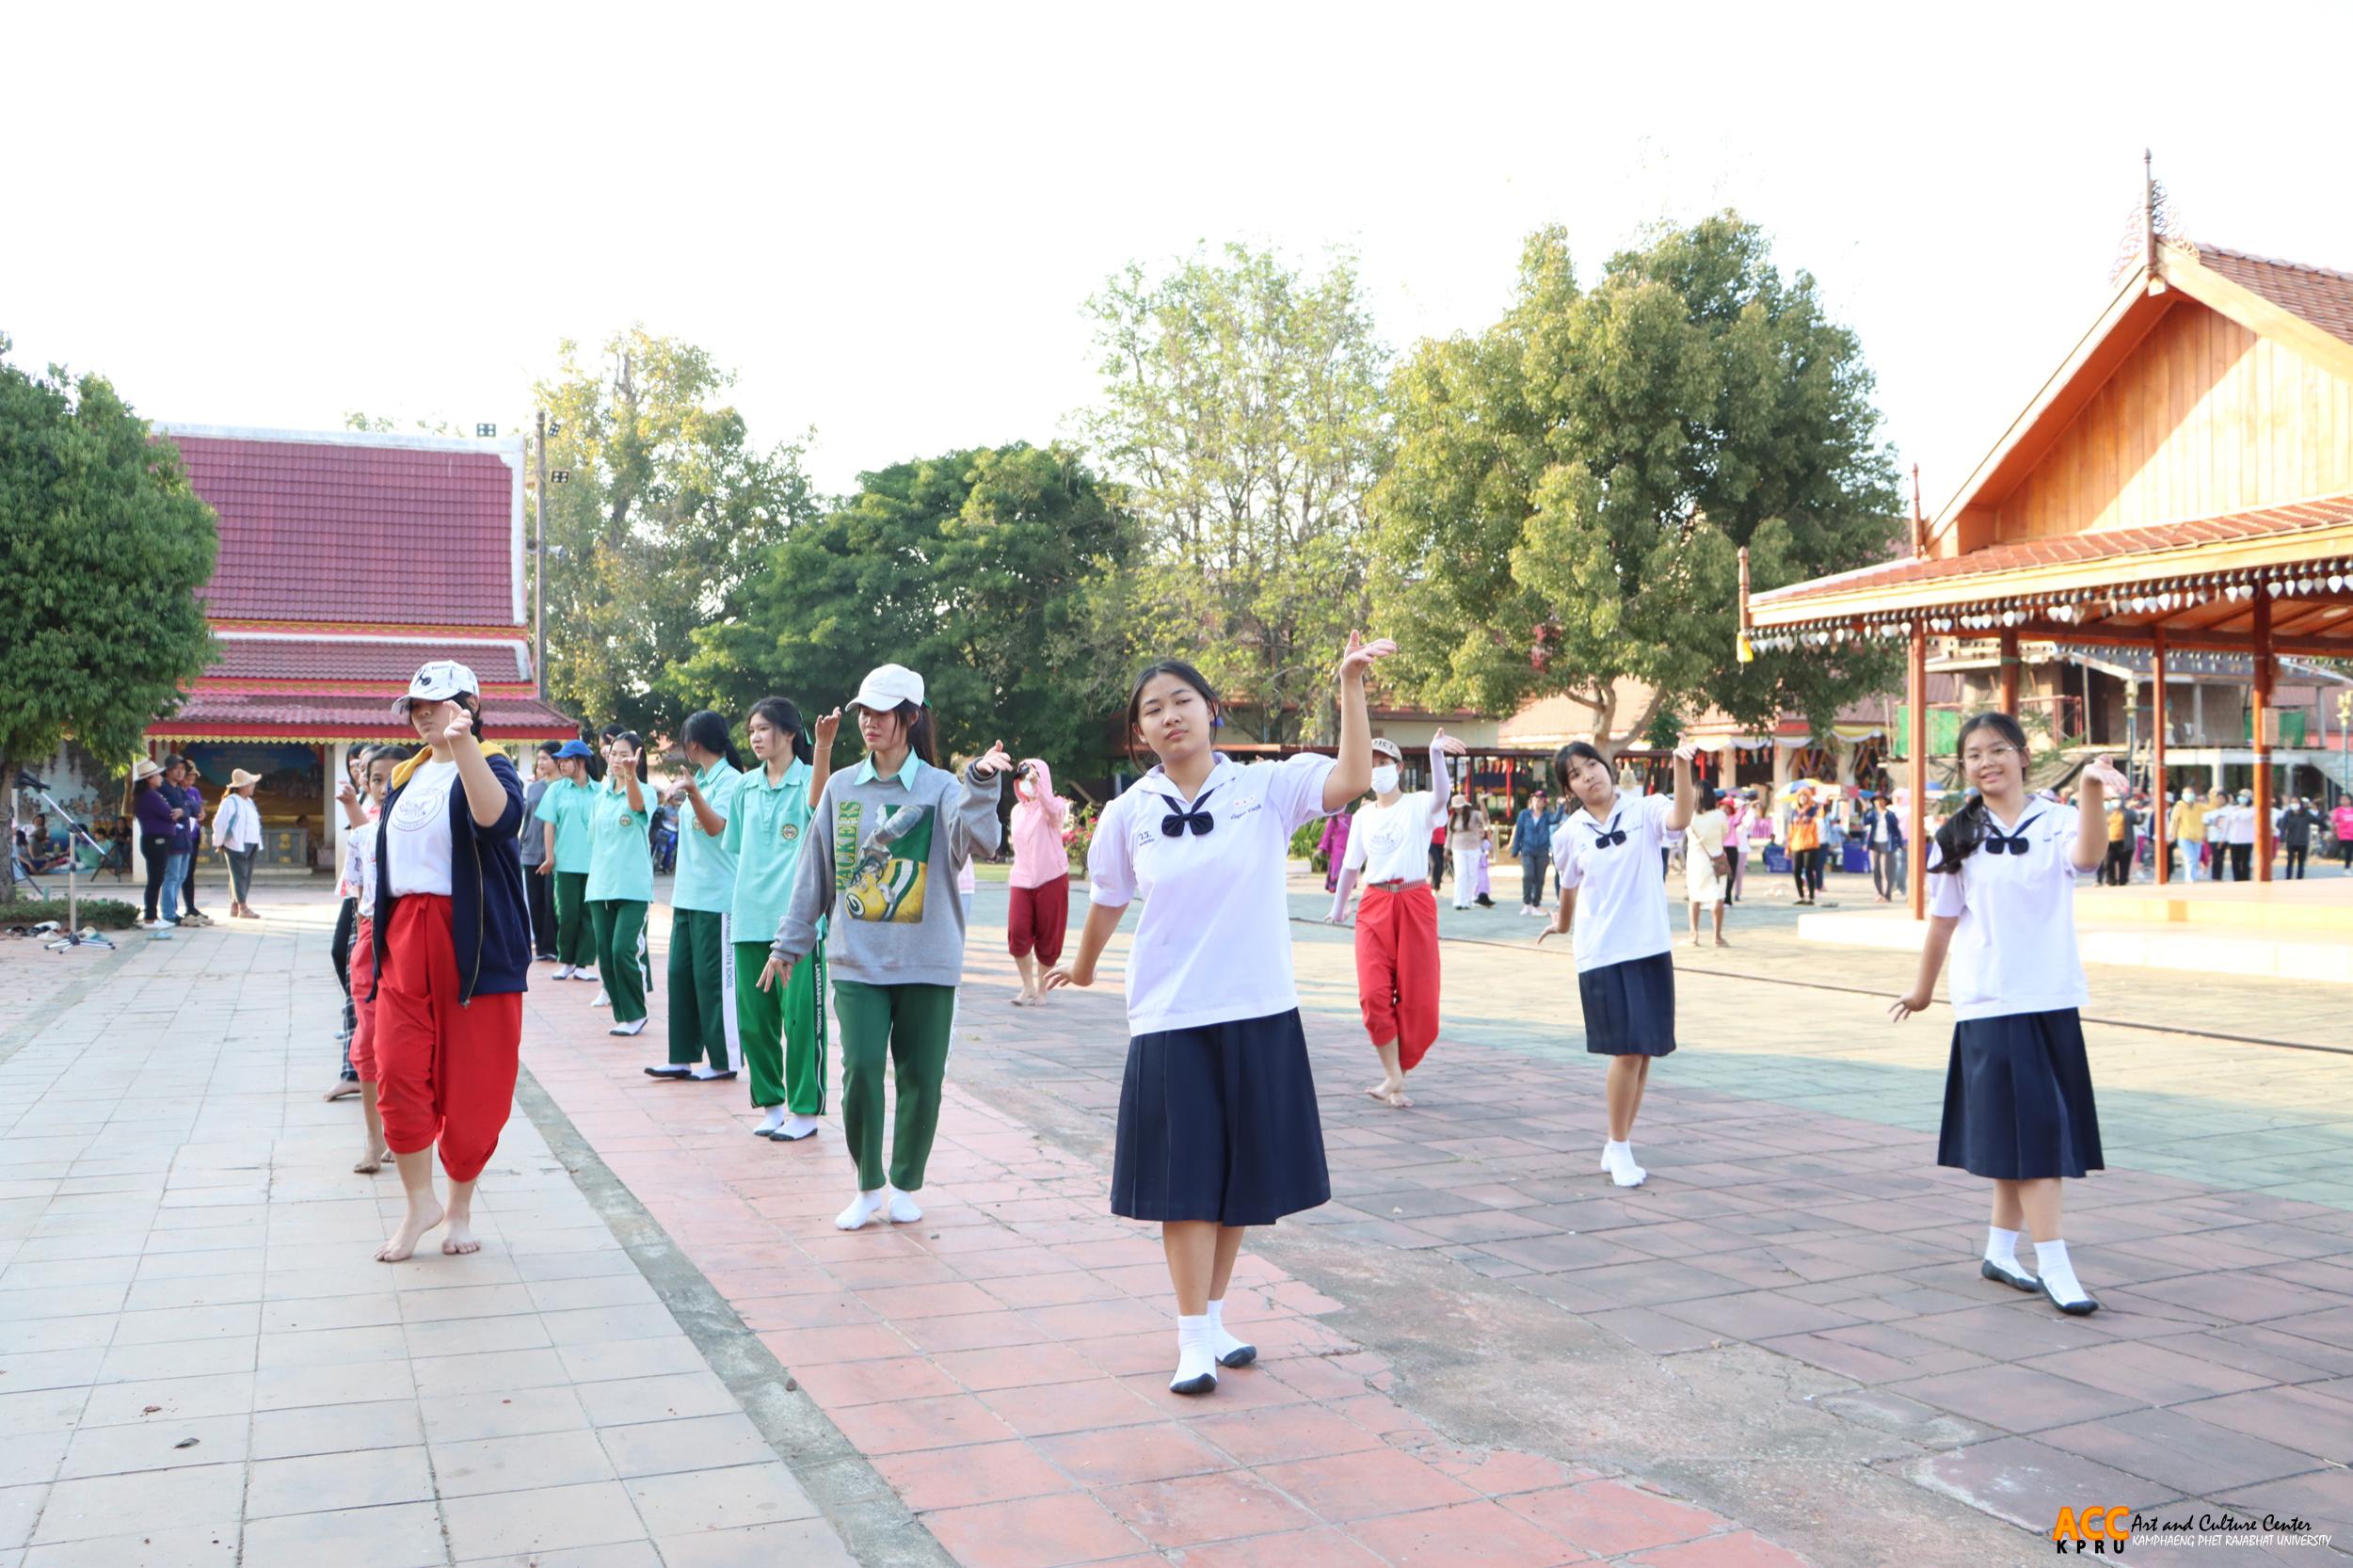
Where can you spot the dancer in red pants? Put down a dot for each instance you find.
(1397, 926)
(452, 947)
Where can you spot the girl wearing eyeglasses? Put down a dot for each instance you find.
(1218, 1127)
(2018, 1105)
(1625, 975)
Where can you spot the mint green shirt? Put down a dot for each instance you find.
(904, 778)
(568, 806)
(766, 828)
(621, 865)
(706, 866)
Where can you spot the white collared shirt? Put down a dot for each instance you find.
(360, 862)
(2015, 949)
(1214, 944)
(1621, 887)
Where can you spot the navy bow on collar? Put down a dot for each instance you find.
(1174, 825)
(1605, 839)
(2014, 843)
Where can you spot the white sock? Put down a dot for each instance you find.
(2057, 1273)
(602, 1001)
(800, 1127)
(2001, 1247)
(564, 971)
(1196, 1365)
(635, 1026)
(774, 1120)
(1222, 1344)
(706, 1072)
(862, 1208)
(903, 1209)
(1617, 1159)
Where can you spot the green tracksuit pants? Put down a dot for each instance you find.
(702, 991)
(621, 961)
(912, 1026)
(575, 934)
(783, 1030)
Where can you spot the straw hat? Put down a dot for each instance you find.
(146, 767)
(239, 778)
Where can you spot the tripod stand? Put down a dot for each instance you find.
(71, 937)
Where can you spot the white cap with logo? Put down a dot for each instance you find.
(437, 682)
(886, 687)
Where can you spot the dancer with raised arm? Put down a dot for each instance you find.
(782, 1026)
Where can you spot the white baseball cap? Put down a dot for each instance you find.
(886, 687)
(437, 682)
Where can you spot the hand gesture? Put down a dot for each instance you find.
(1448, 745)
(1361, 654)
(1686, 750)
(994, 762)
(1067, 974)
(1906, 1005)
(547, 868)
(344, 794)
(461, 724)
(2104, 773)
(777, 972)
(827, 726)
(1550, 930)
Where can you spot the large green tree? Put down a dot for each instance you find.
(1243, 413)
(102, 548)
(1571, 487)
(995, 573)
(666, 509)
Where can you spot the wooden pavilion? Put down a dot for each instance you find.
(2183, 481)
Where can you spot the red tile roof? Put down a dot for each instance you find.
(345, 718)
(2321, 297)
(387, 662)
(2333, 512)
(318, 531)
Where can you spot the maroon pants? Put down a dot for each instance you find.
(446, 1072)
(1397, 968)
(1039, 918)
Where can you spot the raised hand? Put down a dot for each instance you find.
(461, 724)
(2104, 773)
(1362, 654)
(822, 733)
(994, 762)
(1448, 745)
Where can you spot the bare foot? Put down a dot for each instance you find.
(1721, 943)
(460, 1239)
(341, 1090)
(412, 1228)
(1399, 1101)
(1380, 1091)
(371, 1163)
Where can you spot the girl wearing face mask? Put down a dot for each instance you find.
(1396, 927)
(1218, 1127)
(2018, 1104)
(1039, 914)
(1625, 976)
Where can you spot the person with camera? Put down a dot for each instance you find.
(1039, 916)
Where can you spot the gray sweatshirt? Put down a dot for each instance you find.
(889, 882)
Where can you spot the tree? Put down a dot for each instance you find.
(1571, 487)
(103, 547)
(992, 572)
(666, 509)
(1243, 412)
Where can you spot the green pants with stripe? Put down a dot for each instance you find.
(912, 1026)
(621, 961)
(783, 1030)
(575, 934)
(702, 991)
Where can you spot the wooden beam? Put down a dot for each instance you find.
(2099, 634)
(2263, 741)
(1916, 743)
(2010, 673)
(2162, 800)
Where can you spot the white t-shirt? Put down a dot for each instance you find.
(359, 863)
(417, 831)
(1621, 893)
(2015, 949)
(1391, 843)
(2242, 824)
(1214, 944)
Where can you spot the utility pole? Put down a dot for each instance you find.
(539, 567)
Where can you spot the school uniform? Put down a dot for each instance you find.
(780, 1031)
(1397, 921)
(571, 806)
(621, 886)
(1625, 976)
(702, 918)
(531, 848)
(1217, 1111)
(2018, 1102)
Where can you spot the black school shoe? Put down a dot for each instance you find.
(668, 1072)
(2084, 1308)
(2015, 1278)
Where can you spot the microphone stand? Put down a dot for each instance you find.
(71, 937)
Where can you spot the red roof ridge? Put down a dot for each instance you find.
(2206, 249)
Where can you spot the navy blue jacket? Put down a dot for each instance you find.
(489, 919)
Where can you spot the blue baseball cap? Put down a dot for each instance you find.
(573, 748)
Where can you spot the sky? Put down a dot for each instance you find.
(888, 219)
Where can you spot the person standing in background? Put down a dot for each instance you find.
(1704, 867)
(1805, 844)
(2296, 836)
(1467, 832)
(704, 1042)
(1039, 915)
(1334, 845)
(2188, 834)
(155, 811)
(531, 847)
(621, 881)
(1532, 842)
(2341, 823)
(782, 1028)
(237, 833)
(191, 837)
(565, 819)
(2242, 837)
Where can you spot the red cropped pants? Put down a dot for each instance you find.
(1037, 920)
(1397, 968)
(446, 1072)
(363, 1010)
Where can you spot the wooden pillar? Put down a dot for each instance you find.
(2162, 801)
(2010, 673)
(1916, 744)
(2262, 741)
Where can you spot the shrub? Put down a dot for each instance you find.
(106, 914)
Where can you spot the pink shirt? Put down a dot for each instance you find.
(2341, 821)
(1038, 814)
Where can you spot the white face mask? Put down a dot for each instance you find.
(1384, 778)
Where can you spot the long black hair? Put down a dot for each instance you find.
(1183, 672)
(785, 719)
(637, 745)
(1576, 751)
(1964, 830)
(708, 730)
(922, 734)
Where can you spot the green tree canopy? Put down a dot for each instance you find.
(665, 511)
(993, 573)
(103, 547)
(1242, 415)
(1571, 486)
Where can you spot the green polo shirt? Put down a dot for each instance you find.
(706, 867)
(568, 806)
(621, 866)
(766, 828)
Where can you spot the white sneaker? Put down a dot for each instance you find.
(564, 972)
(602, 1001)
(635, 1026)
(584, 972)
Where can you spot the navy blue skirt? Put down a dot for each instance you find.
(1218, 1123)
(1629, 1007)
(2018, 1098)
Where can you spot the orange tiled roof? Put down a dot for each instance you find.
(2321, 297)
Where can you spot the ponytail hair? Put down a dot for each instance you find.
(785, 719)
(708, 730)
(1964, 830)
(922, 734)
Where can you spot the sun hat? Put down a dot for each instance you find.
(239, 778)
(574, 748)
(886, 687)
(436, 681)
(146, 767)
